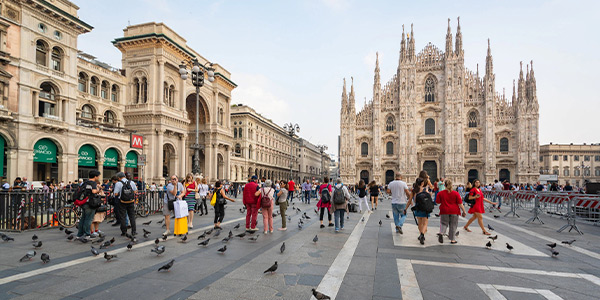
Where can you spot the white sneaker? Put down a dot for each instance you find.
(94, 235)
(167, 233)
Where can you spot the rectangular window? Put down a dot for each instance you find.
(541, 158)
(113, 97)
(103, 94)
(565, 157)
(586, 158)
(597, 158)
(46, 109)
(55, 65)
(81, 86)
(576, 157)
(555, 158)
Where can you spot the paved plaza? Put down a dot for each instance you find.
(364, 261)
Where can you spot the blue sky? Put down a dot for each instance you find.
(289, 57)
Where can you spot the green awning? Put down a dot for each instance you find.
(111, 157)
(44, 151)
(131, 160)
(87, 156)
(2, 143)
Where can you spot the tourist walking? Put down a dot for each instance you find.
(202, 192)
(220, 201)
(423, 207)
(190, 198)
(125, 193)
(306, 187)
(250, 201)
(174, 191)
(477, 209)
(340, 199)
(283, 204)
(450, 208)
(362, 196)
(374, 192)
(291, 188)
(324, 203)
(266, 194)
(90, 191)
(400, 195)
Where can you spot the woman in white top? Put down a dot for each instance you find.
(202, 191)
(267, 192)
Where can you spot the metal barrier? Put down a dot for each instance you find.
(26, 210)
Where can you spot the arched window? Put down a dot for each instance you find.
(250, 152)
(429, 90)
(144, 86)
(389, 123)
(473, 119)
(104, 89)
(389, 148)
(165, 93)
(238, 149)
(503, 145)
(240, 133)
(56, 58)
(87, 112)
(364, 149)
(94, 86)
(47, 91)
(235, 133)
(429, 127)
(41, 53)
(136, 96)
(114, 93)
(109, 117)
(472, 146)
(82, 82)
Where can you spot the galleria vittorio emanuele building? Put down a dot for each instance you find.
(436, 115)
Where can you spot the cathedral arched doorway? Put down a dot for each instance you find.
(389, 176)
(430, 166)
(504, 174)
(472, 175)
(364, 175)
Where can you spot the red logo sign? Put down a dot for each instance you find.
(137, 141)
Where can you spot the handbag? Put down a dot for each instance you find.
(94, 201)
(197, 196)
(101, 208)
(181, 209)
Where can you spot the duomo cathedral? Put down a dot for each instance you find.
(436, 115)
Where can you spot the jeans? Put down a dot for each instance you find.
(339, 218)
(307, 197)
(127, 211)
(290, 196)
(87, 216)
(499, 200)
(251, 215)
(202, 206)
(117, 211)
(398, 211)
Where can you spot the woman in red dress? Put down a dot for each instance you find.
(477, 209)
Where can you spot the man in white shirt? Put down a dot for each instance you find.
(497, 188)
(400, 194)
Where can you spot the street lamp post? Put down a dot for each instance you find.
(322, 149)
(197, 71)
(291, 129)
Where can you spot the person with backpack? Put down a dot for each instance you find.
(451, 206)
(362, 196)
(340, 203)
(477, 209)
(423, 207)
(219, 203)
(324, 203)
(88, 197)
(125, 194)
(266, 195)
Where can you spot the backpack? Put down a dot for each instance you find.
(467, 200)
(424, 203)
(338, 195)
(265, 201)
(325, 195)
(127, 192)
(80, 196)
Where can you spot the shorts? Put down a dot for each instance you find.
(99, 217)
(420, 214)
(166, 211)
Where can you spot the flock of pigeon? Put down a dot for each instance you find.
(555, 253)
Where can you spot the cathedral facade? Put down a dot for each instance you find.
(436, 115)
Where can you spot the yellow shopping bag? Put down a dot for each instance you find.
(181, 226)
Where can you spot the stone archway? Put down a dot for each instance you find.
(220, 167)
(169, 161)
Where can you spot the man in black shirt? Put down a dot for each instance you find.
(87, 212)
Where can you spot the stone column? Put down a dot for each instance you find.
(182, 154)
(158, 159)
(161, 79)
(209, 161)
(101, 167)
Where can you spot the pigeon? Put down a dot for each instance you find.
(380, 223)
(108, 257)
(554, 252)
(105, 245)
(282, 247)
(70, 237)
(509, 247)
(489, 244)
(34, 238)
(299, 225)
(301, 222)
(289, 218)
(158, 250)
(164, 238)
(272, 269)
(147, 223)
(437, 215)
(241, 235)
(306, 216)
(130, 246)
(218, 232)
(146, 235)
(236, 226)
(112, 241)
(202, 236)
(457, 233)
(67, 231)
(315, 239)
(28, 256)
(568, 242)
(274, 215)
(551, 245)
(204, 243)
(184, 239)
(387, 216)
(222, 250)
(167, 266)
(156, 241)
(241, 211)
(496, 216)
(7, 238)
(61, 228)
(38, 244)
(363, 219)
(254, 238)
(45, 258)
(82, 239)
(316, 211)
(320, 296)
(493, 238)
(146, 231)
(208, 231)
(98, 241)
(225, 240)
(94, 251)
(490, 227)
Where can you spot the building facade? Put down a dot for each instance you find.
(574, 163)
(436, 115)
(263, 148)
(64, 113)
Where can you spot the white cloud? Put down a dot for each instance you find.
(260, 93)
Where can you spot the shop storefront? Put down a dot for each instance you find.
(111, 163)
(3, 159)
(131, 163)
(45, 164)
(86, 161)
